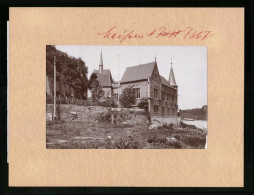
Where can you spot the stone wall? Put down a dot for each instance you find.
(91, 113)
(83, 113)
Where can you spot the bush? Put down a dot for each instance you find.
(126, 144)
(167, 126)
(109, 102)
(104, 117)
(175, 144)
(143, 104)
(194, 141)
(128, 97)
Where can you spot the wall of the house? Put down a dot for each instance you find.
(142, 85)
(147, 91)
(155, 83)
(169, 105)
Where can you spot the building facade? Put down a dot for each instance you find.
(105, 79)
(162, 94)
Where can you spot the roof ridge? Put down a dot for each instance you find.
(140, 65)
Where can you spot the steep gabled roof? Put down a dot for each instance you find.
(139, 72)
(165, 82)
(104, 78)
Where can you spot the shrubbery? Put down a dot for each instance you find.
(143, 104)
(123, 117)
(166, 126)
(194, 141)
(126, 145)
(104, 117)
(109, 102)
(160, 140)
(128, 97)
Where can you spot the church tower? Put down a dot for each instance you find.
(171, 78)
(101, 64)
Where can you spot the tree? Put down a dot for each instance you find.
(128, 97)
(143, 104)
(95, 87)
(69, 70)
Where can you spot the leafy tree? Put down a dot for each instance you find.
(69, 70)
(95, 87)
(128, 97)
(143, 104)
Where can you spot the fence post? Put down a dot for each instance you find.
(112, 117)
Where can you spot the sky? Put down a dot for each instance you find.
(189, 65)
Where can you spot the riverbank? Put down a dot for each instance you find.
(202, 124)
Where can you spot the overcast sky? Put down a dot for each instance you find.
(189, 65)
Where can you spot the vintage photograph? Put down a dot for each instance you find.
(126, 97)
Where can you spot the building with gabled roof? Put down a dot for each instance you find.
(160, 93)
(105, 79)
(148, 83)
(137, 73)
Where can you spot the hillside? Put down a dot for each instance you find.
(70, 71)
(197, 113)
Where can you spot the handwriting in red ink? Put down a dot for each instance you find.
(189, 32)
(162, 32)
(111, 34)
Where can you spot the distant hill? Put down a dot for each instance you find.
(196, 113)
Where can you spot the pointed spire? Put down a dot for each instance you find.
(155, 57)
(171, 78)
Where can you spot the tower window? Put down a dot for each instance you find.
(155, 93)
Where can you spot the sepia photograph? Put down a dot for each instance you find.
(126, 97)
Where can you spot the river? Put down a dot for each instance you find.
(198, 123)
